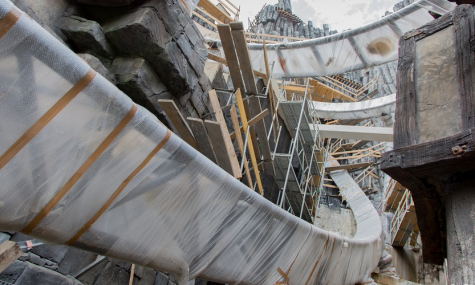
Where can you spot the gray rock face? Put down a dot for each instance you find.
(142, 33)
(87, 36)
(75, 260)
(36, 275)
(137, 79)
(97, 65)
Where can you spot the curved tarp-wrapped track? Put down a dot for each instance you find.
(81, 164)
(356, 110)
(367, 46)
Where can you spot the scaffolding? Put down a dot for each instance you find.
(299, 172)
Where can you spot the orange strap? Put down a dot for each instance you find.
(10, 19)
(80, 172)
(186, 7)
(46, 118)
(284, 274)
(119, 190)
(318, 260)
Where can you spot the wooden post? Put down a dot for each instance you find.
(250, 146)
(9, 252)
(234, 118)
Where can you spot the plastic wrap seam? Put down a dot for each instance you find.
(10, 19)
(46, 118)
(80, 172)
(120, 189)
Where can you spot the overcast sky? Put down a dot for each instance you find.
(339, 14)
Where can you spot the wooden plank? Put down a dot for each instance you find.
(250, 146)
(240, 44)
(9, 252)
(202, 138)
(234, 118)
(348, 167)
(405, 127)
(219, 145)
(204, 19)
(223, 61)
(252, 121)
(271, 93)
(231, 56)
(228, 145)
(209, 15)
(261, 132)
(132, 271)
(227, 7)
(464, 37)
(213, 10)
(178, 121)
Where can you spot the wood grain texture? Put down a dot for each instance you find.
(425, 169)
(228, 145)
(234, 118)
(202, 139)
(240, 45)
(250, 146)
(464, 41)
(178, 121)
(231, 56)
(405, 126)
(9, 252)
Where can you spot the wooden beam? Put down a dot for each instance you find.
(252, 122)
(227, 143)
(219, 146)
(250, 146)
(240, 44)
(178, 121)
(271, 94)
(132, 271)
(223, 61)
(227, 7)
(204, 19)
(348, 167)
(209, 15)
(231, 56)
(9, 252)
(213, 10)
(202, 138)
(234, 118)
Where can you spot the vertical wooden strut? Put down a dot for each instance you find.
(250, 146)
(237, 128)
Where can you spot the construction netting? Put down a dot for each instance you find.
(81, 164)
(367, 46)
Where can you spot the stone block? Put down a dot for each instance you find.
(90, 277)
(36, 275)
(75, 260)
(196, 55)
(143, 34)
(13, 272)
(161, 279)
(35, 259)
(97, 65)
(86, 36)
(148, 277)
(113, 274)
(51, 252)
(136, 78)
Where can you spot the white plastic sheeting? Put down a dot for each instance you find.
(177, 212)
(356, 110)
(367, 46)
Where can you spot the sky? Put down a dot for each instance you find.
(339, 14)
